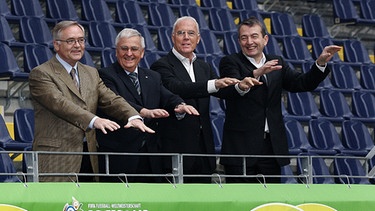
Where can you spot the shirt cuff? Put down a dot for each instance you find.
(91, 125)
(211, 86)
(135, 117)
(242, 93)
(320, 67)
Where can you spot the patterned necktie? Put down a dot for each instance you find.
(133, 76)
(74, 78)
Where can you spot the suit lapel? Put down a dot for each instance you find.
(128, 83)
(178, 68)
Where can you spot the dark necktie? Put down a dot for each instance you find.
(73, 74)
(133, 76)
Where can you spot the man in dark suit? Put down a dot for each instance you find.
(194, 81)
(149, 97)
(66, 95)
(254, 123)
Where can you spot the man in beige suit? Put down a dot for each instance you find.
(65, 107)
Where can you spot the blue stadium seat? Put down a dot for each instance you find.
(7, 142)
(209, 45)
(164, 38)
(6, 34)
(282, 24)
(214, 61)
(355, 52)
(150, 45)
(325, 84)
(23, 120)
(318, 44)
(34, 55)
(195, 12)
(30, 8)
(87, 59)
(108, 56)
(313, 26)
(356, 137)
(230, 43)
(245, 5)
(363, 107)
(319, 168)
(334, 106)
(367, 9)
(273, 46)
(96, 10)
(297, 138)
(295, 50)
(323, 136)
(367, 78)
(148, 59)
(9, 69)
(346, 12)
(160, 15)
(183, 2)
(101, 35)
(217, 117)
(287, 171)
(221, 20)
(129, 12)
(214, 4)
(7, 166)
(4, 9)
(302, 105)
(35, 30)
(344, 79)
(61, 10)
(347, 166)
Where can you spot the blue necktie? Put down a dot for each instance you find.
(133, 76)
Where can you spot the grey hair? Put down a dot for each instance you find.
(63, 25)
(185, 18)
(129, 32)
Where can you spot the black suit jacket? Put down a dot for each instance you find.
(248, 113)
(153, 95)
(187, 135)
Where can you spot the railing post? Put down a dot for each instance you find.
(177, 168)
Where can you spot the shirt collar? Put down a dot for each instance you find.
(65, 64)
(181, 57)
(135, 71)
(257, 65)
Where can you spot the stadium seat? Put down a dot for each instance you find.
(346, 12)
(34, 55)
(363, 107)
(9, 69)
(160, 15)
(323, 136)
(313, 26)
(282, 24)
(221, 20)
(245, 14)
(129, 12)
(183, 2)
(208, 45)
(35, 30)
(319, 168)
(96, 10)
(356, 137)
(347, 166)
(367, 9)
(287, 171)
(325, 84)
(367, 77)
(245, 5)
(355, 52)
(318, 44)
(61, 10)
(4, 9)
(297, 138)
(108, 56)
(273, 46)
(23, 120)
(334, 106)
(29, 8)
(343, 78)
(150, 45)
(87, 59)
(214, 4)
(7, 166)
(164, 40)
(148, 59)
(302, 105)
(6, 34)
(230, 43)
(195, 12)
(101, 35)
(217, 117)
(7, 142)
(295, 50)
(214, 61)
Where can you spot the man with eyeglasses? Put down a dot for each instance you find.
(66, 95)
(145, 92)
(195, 81)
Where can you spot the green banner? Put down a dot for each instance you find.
(184, 197)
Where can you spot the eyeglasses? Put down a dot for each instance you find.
(80, 41)
(133, 49)
(189, 33)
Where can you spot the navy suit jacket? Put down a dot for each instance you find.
(153, 95)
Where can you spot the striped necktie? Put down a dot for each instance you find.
(74, 78)
(134, 77)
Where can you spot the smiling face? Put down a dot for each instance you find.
(129, 52)
(71, 53)
(185, 37)
(252, 41)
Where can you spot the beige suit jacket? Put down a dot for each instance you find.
(63, 114)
